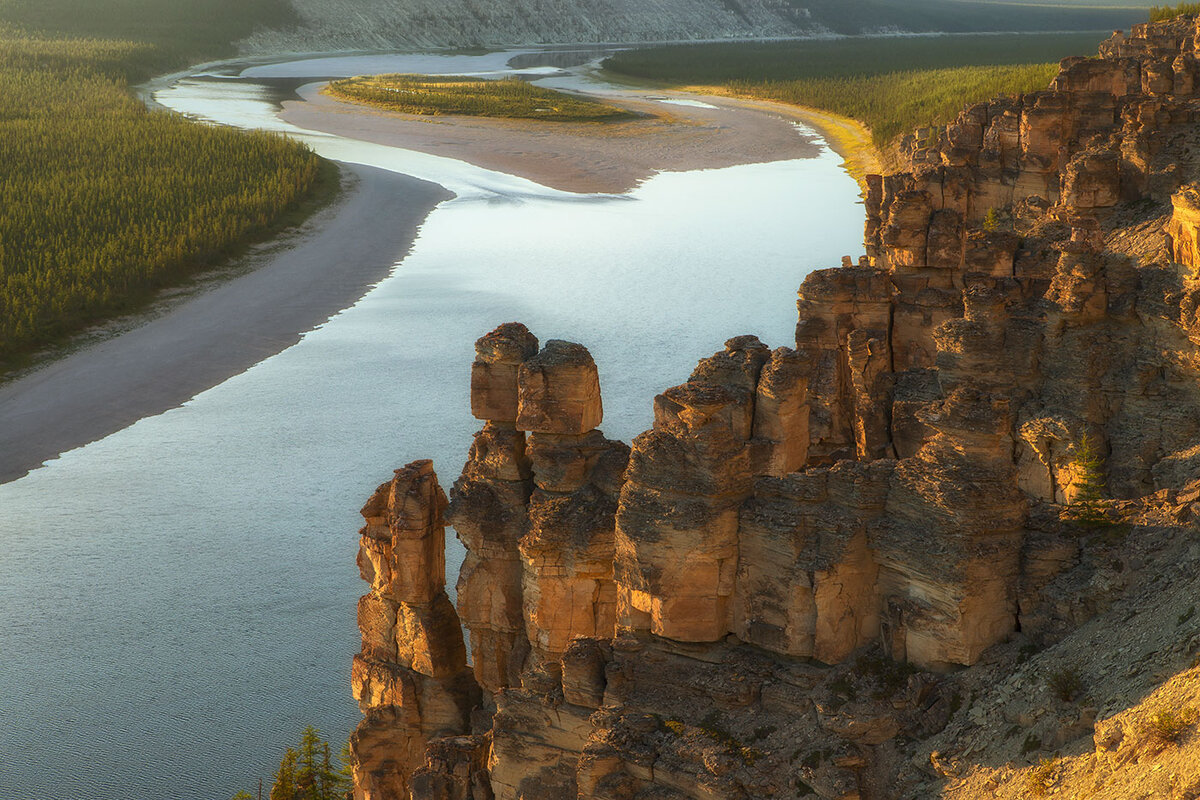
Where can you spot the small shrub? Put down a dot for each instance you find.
(1168, 727)
(1041, 777)
(991, 221)
(1185, 616)
(843, 687)
(1066, 684)
(1032, 742)
(888, 675)
(763, 733)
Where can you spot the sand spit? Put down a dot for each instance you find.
(679, 132)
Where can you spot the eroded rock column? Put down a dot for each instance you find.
(489, 511)
(567, 553)
(535, 506)
(411, 679)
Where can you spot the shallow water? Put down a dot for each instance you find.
(178, 599)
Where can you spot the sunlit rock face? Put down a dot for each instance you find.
(411, 678)
(769, 593)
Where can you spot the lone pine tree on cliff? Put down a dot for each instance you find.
(1087, 506)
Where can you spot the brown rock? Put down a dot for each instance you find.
(643, 620)
(498, 357)
(559, 391)
(1184, 228)
(411, 678)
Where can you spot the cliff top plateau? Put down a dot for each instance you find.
(945, 544)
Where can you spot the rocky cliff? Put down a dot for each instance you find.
(951, 532)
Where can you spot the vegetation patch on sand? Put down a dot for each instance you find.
(104, 201)
(511, 98)
(889, 85)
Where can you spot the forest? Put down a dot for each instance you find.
(183, 31)
(104, 201)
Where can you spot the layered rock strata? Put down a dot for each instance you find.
(773, 591)
(411, 678)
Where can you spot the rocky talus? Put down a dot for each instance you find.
(946, 544)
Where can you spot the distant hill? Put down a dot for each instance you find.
(188, 28)
(327, 24)
(209, 26)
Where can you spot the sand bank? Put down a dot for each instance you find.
(678, 132)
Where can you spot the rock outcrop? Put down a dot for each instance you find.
(411, 678)
(775, 590)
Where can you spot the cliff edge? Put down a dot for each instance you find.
(944, 546)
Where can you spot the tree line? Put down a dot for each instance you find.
(103, 201)
(307, 772)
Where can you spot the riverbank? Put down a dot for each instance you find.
(676, 132)
(190, 346)
(849, 138)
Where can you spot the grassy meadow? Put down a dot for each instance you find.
(103, 202)
(891, 85)
(437, 95)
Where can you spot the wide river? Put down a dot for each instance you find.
(177, 600)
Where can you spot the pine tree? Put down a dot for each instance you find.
(308, 772)
(284, 787)
(346, 772)
(991, 221)
(1087, 506)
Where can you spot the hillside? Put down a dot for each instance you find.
(349, 24)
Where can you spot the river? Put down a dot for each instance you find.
(178, 599)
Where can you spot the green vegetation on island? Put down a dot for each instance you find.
(452, 94)
(892, 85)
(104, 201)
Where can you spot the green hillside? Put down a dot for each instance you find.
(190, 28)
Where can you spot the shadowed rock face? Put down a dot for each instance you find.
(876, 508)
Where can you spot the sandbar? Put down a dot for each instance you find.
(678, 131)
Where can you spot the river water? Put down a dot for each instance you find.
(177, 601)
